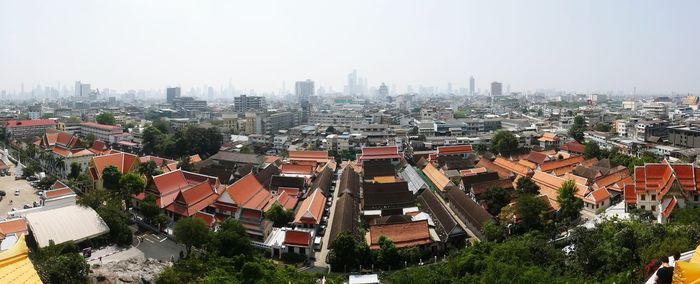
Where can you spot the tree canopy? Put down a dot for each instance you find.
(504, 143)
(591, 150)
(525, 185)
(577, 129)
(110, 178)
(278, 215)
(106, 118)
(570, 205)
(192, 232)
(495, 199)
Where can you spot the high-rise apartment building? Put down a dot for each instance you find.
(245, 103)
(383, 91)
(82, 90)
(496, 88)
(304, 90)
(172, 94)
(471, 85)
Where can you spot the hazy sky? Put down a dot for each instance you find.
(574, 45)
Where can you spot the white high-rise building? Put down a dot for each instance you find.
(82, 90)
(471, 85)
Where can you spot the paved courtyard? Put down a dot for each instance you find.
(27, 194)
(150, 246)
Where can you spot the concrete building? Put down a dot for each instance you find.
(102, 132)
(496, 88)
(304, 90)
(172, 93)
(280, 121)
(27, 129)
(245, 103)
(684, 136)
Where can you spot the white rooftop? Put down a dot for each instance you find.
(363, 279)
(70, 223)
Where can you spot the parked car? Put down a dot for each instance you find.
(17, 192)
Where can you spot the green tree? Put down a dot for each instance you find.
(46, 182)
(185, 164)
(344, 253)
(504, 143)
(525, 185)
(603, 127)
(75, 170)
(116, 220)
(149, 170)
(494, 232)
(570, 205)
(278, 215)
(592, 150)
(495, 199)
(152, 140)
(231, 240)
(89, 140)
(531, 210)
(130, 183)
(149, 208)
(577, 129)
(162, 125)
(106, 118)
(93, 198)
(64, 268)
(388, 256)
(192, 232)
(110, 178)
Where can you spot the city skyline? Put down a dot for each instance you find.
(583, 46)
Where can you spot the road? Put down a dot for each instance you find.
(8, 184)
(321, 255)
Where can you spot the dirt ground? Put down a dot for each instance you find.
(27, 194)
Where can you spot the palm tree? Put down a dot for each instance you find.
(148, 170)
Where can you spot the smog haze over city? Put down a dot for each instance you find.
(584, 46)
(357, 142)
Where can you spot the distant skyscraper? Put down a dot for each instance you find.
(471, 85)
(496, 88)
(352, 87)
(383, 91)
(304, 90)
(245, 103)
(172, 93)
(449, 87)
(82, 90)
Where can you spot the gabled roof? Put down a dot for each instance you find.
(13, 226)
(387, 196)
(60, 138)
(124, 162)
(481, 187)
(516, 168)
(311, 209)
(436, 177)
(445, 223)
(469, 210)
(549, 137)
(315, 156)
(414, 233)
(537, 157)
(599, 195)
(247, 192)
(297, 238)
(553, 165)
(490, 166)
(374, 153)
(290, 169)
(186, 187)
(377, 168)
(286, 181)
(454, 150)
(574, 147)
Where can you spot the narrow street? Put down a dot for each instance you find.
(471, 234)
(321, 255)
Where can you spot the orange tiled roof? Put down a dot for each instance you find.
(550, 137)
(471, 172)
(574, 147)
(612, 178)
(452, 150)
(311, 209)
(297, 169)
(550, 184)
(59, 192)
(516, 168)
(297, 238)
(406, 234)
(629, 194)
(123, 161)
(436, 177)
(552, 165)
(187, 187)
(527, 163)
(600, 195)
(247, 192)
(315, 155)
(537, 157)
(502, 172)
(13, 226)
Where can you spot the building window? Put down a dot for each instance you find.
(653, 208)
(695, 198)
(653, 197)
(644, 207)
(643, 197)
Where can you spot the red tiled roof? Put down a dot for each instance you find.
(58, 185)
(380, 151)
(551, 137)
(208, 219)
(600, 195)
(193, 199)
(59, 192)
(471, 172)
(29, 123)
(612, 178)
(100, 126)
(670, 206)
(311, 209)
(296, 169)
(516, 168)
(574, 147)
(552, 165)
(16, 226)
(451, 150)
(406, 234)
(537, 157)
(123, 161)
(308, 155)
(195, 159)
(190, 189)
(247, 192)
(502, 172)
(297, 238)
(629, 194)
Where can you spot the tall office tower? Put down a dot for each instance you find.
(172, 93)
(449, 87)
(352, 87)
(82, 90)
(383, 91)
(304, 90)
(471, 85)
(496, 88)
